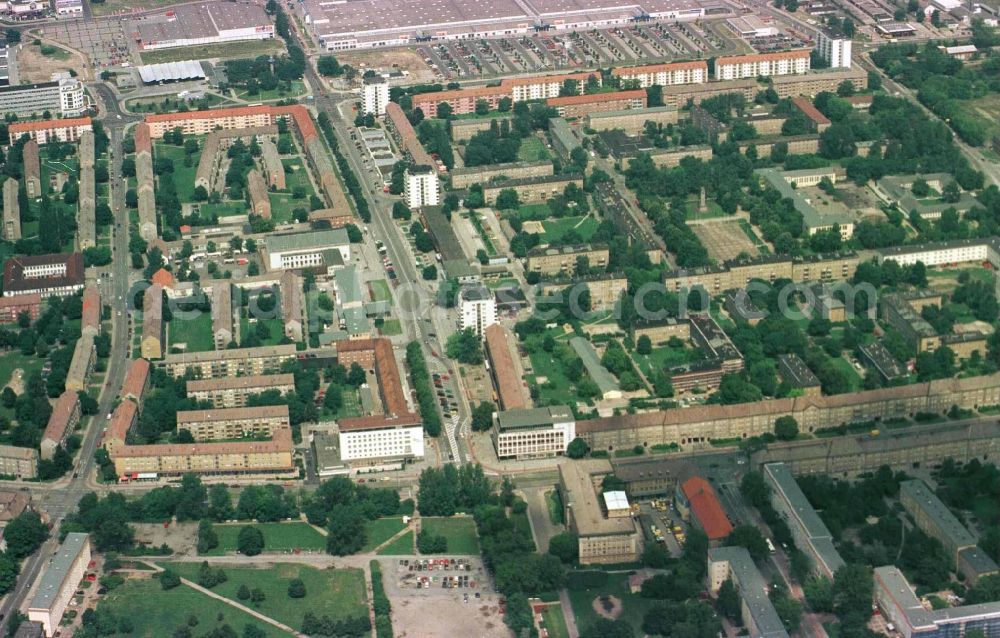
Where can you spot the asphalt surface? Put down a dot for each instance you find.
(60, 499)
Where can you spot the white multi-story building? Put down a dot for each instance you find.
(69, 7)
(959, 251)
(422, 187)
(756, 65)
(376, 95)
(670, 74)
(57, 585)
(545, 86)
(65, 97)
(479, 309)
(533, 432)
(835, 48)
(381, 442)
(306, 250)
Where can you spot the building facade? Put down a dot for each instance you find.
(376, 91)
(422, 187)
(478, 309)
(232, 392)
(233, 423)
(65, 97)
(230, 363)
(533, 432)
(56, 586)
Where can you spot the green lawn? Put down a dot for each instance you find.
(336, 593)
(554, 621)
(223, 209)
(533, 211)
(402, 546)
(380, 290)
(12, 360)
(849, 372)
(391, 327)
(278, 537)
(156, 613)
(225, 50)
(555, 229)
(557, 389)
(555, 505)
(459, 530)
(183, 175)
(350, 405)
(275, 327)
(634, 606)
(532, 150)
(379, 531)
(297, 88)
(282, 202)
(194, 332)
(665, 357)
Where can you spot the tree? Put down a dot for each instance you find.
(25, 534)
(465, 346)
(644, 345)
(329, 66)
(429, 273)
(507, 199)
(749, 537)
(345, 531)
(444, 110)
(577, 448)
(169, 579)
(207, 538)
(482, 416)
(257, 596)
(565, 546)
(428, 543)
(852, 588)
(8, 396)
(296, 588)
(729, 602)
(786, 428)
(250, 541)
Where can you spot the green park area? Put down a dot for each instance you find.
(191, 334)
(402, 546)
(155, 613)
(459, 531)
(337, 593)
(183, 175)
(532, 150)
(554, 622)
(391, 327)
(555, 229)
(278, 537)
(296, 194)
(664, 357)
(298, 88)
(587, 589)
(379, 531)
(380, 290)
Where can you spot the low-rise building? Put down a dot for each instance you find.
(230, 363)
(756, 610)
(797, 374)
(63, 420)
(293, 303)
(32, 169)
(662, 330)
(11, 210)
(238, 457)
(222, 314)
(233, 423)
(136, 381)
(606, 382)
(57, 585)
(877, 356)
(533, 432)
(668, 74)
(810, 533)
(12, 505)
(698, 503)
(813, 220)
(466, 177)
(506, 372)
(532, 190)
(82, 363)
(563, 259)
(307, 250)
(232, 392)
(53, 275)
(18, 462)
(601, 539)
(260, 202)
(152, 323)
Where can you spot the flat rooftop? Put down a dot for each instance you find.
(205, 20)
(584, 502)
(752, 589)
(52, 581)
(938, 512)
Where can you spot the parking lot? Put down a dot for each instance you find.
(634, 44)
(104, 41)
(443, 597)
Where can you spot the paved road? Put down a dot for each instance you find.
(59, 499)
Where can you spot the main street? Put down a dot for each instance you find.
(62, 498)
(422, 320)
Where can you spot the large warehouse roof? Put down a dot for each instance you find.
(171, 71)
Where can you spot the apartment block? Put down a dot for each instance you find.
(64, 419)
(533, 432)
(232, 392)
(57, 584)
(18, 462)
(230, 363)
(762, 65)
(669, 74)
(233, 423)
(564, 259)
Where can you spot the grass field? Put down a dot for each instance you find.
(557, 388)
(275, 327)
(278, 537)
(195, 333)
(13, 360)
(282, 202)
(634, 606)
(392, 327)
(298, 88)
(350, 405)
(533, 211)
(226, 50)
(555, 229)
(402, 546)
(380, 290)
(160, 104)
(849, 372)
(183, 175)
(157, 613)
(665, 357)
(554, 622)
(460, 532)
(222, 209)
(336, 593)
(379, 531)
(532, 149)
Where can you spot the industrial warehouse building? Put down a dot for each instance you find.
(207, 23)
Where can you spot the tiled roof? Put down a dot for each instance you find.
(659, 68)
(596, 98)
(44, 125)
(705, 506)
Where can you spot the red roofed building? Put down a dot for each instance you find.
(136, 380)
(698, 503)
(582, 105)
(819, 121)
(45, 131)
(91, 318)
